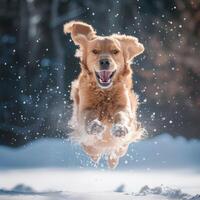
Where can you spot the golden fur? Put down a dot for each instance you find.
(104, 119)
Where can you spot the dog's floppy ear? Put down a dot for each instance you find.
(132, 47)
(80, 31)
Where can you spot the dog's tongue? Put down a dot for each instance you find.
(105, 75)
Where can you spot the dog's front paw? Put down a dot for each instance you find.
(95, 127)
(119, 130)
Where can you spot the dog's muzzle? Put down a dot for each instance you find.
(104, 77)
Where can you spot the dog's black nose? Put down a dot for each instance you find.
(104, 64)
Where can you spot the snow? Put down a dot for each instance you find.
(60, 183)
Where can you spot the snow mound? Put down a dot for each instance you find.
(120, 188)
(22, 189)
(166, 192)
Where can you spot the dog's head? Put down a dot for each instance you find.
(104, 57)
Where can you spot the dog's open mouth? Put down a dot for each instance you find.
(104, 77)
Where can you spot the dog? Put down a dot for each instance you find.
(104, 117)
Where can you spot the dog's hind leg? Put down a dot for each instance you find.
(92, 152)
(121, 151)
(113, 160)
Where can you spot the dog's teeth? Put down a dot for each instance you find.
(101, 81)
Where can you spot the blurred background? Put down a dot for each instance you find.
(37, 65)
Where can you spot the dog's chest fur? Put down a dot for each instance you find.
(105, 102)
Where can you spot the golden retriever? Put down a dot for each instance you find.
(104, 105)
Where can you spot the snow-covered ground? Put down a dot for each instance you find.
(58, 183)
(156, 169)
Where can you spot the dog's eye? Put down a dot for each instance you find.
(115, 51)
(94, 51)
